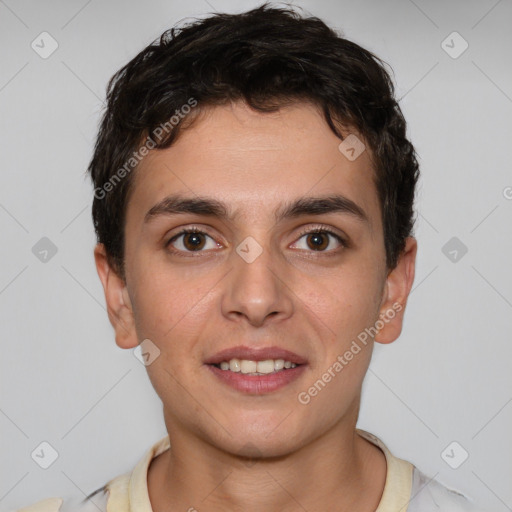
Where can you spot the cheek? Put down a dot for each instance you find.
(155, 308)
(346, 301)
(170, 305)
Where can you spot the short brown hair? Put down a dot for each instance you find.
(267, 57)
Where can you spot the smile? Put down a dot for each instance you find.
(249, 367)
(251, 380)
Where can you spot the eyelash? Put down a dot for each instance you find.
(309, 231)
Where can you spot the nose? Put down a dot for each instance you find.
(256, 290)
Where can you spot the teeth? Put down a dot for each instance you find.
(247, 366)
(234, 365)
(265, 366)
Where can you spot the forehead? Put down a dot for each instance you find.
(254, 162)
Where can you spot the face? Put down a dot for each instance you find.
(263, 277)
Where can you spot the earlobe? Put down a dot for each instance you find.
(396, 292)
(119, 308)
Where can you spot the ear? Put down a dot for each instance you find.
(119, 308)
(396, 291)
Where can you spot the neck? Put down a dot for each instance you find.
(340, 470)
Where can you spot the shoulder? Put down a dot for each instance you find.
(115, 494)
(428, 494)
(95, 502)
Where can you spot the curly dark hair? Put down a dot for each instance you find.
(268, 57)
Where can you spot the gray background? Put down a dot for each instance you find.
(447, 378)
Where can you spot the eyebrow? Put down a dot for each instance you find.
(177, 204)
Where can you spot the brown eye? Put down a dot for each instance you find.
(317, 241)
(191, 240)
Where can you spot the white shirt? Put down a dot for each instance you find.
(406, 489)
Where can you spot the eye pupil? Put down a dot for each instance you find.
(195, 239)
(319, 240)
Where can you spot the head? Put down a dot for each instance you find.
(281, 144)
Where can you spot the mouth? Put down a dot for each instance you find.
(256, 371)
(250, 367)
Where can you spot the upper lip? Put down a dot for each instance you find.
(255, 354)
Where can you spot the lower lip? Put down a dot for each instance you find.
(258, 384)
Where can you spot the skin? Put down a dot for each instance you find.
(311, 302)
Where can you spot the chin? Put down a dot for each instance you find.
(257, 447)
(264, 435)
